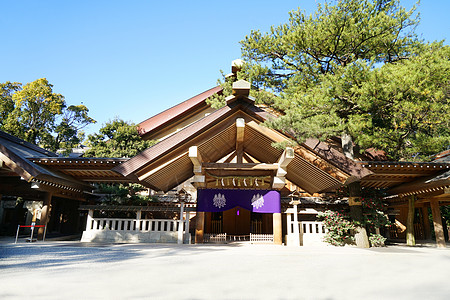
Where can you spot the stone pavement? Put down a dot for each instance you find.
(74, 270)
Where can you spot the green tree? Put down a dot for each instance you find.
(38, 115)
(7, 90)
(356, 70)
(117, 138)
(294, 55)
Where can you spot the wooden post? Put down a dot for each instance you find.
(361, 239)
(277, 229)
(181, 224)
(199, 228)
(45, 214)
(296, 229)
(426, 223)
(138, 220)
(437, 221)
(186, 232)
(89, 219)
(410, 239)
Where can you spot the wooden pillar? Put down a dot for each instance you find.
(200, 227)
(45, 213)
(361, 238)
(437, 221)
(426, 223)
(277, 229)
(410, 239)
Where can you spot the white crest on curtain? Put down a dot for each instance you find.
(257, 201)
(219, 200)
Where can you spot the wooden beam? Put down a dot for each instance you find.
(285, 158)
(240, 128)
(196, 158)
(242, 166)
(15, 168)
(278, 182)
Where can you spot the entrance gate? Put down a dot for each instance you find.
(238, 215)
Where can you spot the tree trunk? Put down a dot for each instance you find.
(347, 145)
(362, 241)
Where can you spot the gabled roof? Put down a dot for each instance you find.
(167, 164)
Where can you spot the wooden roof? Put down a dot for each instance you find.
(167, 164)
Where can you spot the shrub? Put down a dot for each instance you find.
(377, 240)
(338, 228)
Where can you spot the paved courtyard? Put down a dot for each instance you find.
(73, 270)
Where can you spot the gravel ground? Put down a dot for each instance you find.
(74, 270)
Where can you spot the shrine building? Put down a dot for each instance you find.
(223, 176)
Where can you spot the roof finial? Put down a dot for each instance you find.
(236, 65)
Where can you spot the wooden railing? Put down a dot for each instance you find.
(313, 228)
(150, 225)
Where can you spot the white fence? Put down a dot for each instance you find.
(136, 230)
(156, 225)
(311, 233)
(261, 238)
(214, 237)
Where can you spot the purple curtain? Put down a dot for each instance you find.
(259, 201)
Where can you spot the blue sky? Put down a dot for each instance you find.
(134, 59)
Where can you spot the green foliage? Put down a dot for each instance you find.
(355, 68)
(117, 138)
(338, 223)
(338, 228)
(7, 90)
(38, 115)
(294, 55)
(377, 240)
(130, 194)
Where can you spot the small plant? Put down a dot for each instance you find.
(377, 240)
(338, 228)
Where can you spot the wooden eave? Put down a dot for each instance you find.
(438, 184)
(85, 169)
(388, 175)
